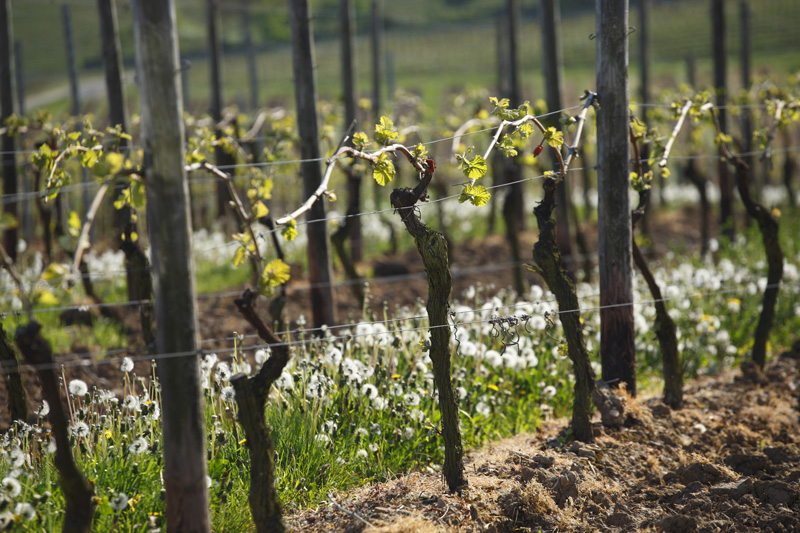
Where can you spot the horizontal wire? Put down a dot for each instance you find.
(85, 361)
(16, 197)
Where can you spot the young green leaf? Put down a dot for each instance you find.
(477, 195)
(554, 137)
(360, 140)
(239, 256)
(89, 158)
(420, 152)
(275, 273)
(473, 168)
(384, 131)
(506, 145)
(258, 210)
(74, 223)
(54, 271)
(383, 170)
(289, 231)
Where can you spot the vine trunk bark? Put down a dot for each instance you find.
(432, 247)
(251, 400)
(547, 257)
(78, 492)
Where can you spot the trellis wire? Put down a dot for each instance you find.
(81, 361)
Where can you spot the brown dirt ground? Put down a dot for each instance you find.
(729, 460)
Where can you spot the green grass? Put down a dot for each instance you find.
(332, 435)
(435, 47)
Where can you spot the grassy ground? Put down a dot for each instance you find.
(431, 50)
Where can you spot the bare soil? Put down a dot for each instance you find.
(729, 460)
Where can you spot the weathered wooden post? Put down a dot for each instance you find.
(9, 143)
(250, 54)
(158, 67)
(376, 31)
(744, 60)
(215, 108)
(305, 90)
(720, 87)
(613, 176)
(553, 76)
(347, 19)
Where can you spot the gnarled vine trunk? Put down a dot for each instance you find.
(78, 492)
(547, 257)
(251, 400)
(432, 246)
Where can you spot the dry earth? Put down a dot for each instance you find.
(728, 461)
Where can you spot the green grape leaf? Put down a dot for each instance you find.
(290, 230)
(477, 195)
(384, 131)
(115, 162)
(360, 140)
(258, 210)
(554, 137)
(239, 256)
(275, 273)
(89, 158)
(420, 152)
(54, 271)
(473, 168)
(506, 145)
(383, 170)
(525, 130)
(74, 223)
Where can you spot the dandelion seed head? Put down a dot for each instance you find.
(43, 409)
(369, 391)
(131, 403)
(80, 429)
(11, 487)
(25, 510)
(78, 387)
(411, 399)
(119, 501)
(127, 364)
(139, 446)
(223, 372)
(362, 454)
(482, 408)
(286, 381)
(260, 357)
(228, 394)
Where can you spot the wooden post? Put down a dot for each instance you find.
(613, 176)
(644, 95)
(347, 22)
(747, 115)
(170, 234)
(515, 197)
(376, 27)
(512, 12)
(720, 86)
(112, 61)
(250, 53)
(72, 71)
(215, 59)
(9, 143)
(553, 75)
(19, 77)
(305, 91)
